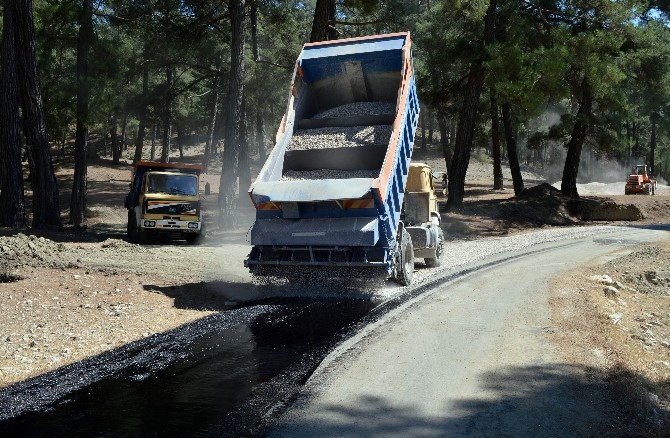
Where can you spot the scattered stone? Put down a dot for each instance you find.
(339, 137)
(358, 109)
(611, 290)
(616, 318)
(604, 279)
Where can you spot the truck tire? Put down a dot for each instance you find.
(404, 269)
(434, 262)
(647, 189)
(131, 229)
(197, 239)
(135, 234)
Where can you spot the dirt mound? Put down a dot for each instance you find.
(543, 190)
(22, 250)
(605, 210)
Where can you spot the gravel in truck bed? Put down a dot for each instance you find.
(340, 137)
(357, 109)
(300, 175)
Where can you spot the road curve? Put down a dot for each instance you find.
(467, 357)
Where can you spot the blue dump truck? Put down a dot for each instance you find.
(332, 192)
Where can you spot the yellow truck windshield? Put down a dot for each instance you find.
(173, 184)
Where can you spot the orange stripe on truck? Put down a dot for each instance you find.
(381, 184)
(267, 206)
(358, 203)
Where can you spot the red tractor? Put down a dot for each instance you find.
(640, 181)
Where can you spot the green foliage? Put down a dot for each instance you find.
(541, 53)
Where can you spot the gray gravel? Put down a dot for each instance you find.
(297, 175)
(340, 137)
(458, 254)
(358, 109)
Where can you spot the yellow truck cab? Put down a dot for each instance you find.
(421, 216)
(164, 200)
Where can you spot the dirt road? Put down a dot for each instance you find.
(470, 357)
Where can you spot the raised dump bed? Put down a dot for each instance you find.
(331, 190)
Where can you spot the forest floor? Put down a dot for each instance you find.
(66, 295)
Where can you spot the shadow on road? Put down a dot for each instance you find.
(552, 400)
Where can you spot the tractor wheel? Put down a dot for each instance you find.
(647, 189)
(404, 269)
(434, 262)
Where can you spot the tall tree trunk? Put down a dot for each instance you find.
(229, 167)
(652, 145)
(422, 119)
(12, 201)
(442, 123)
(154, 133)
(431, 123)
(512, 154)
(78, 196)
(244, 176)
(260, 136)
(139, 141)
(214, 109)
(124, 132)
(116, 147)
(466, 122)
(180, 140)
(571, 169)
(253, 18)
(323, 25)
(167, 117)
(495, 142)
(221, 123)
(636, 133)
(45, 205)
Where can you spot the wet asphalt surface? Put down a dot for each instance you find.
(219, 376)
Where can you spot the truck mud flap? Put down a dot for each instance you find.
(317, 256)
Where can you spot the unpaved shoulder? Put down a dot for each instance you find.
(613, 316)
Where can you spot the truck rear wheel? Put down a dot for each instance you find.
(434, 262)
(404, 269)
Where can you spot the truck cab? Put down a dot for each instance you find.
(421, 216)
(164, 201)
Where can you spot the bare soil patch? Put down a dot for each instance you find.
(614, 316)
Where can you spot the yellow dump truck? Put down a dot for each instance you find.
(164, 201)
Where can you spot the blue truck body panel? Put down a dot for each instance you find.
(348, 221)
